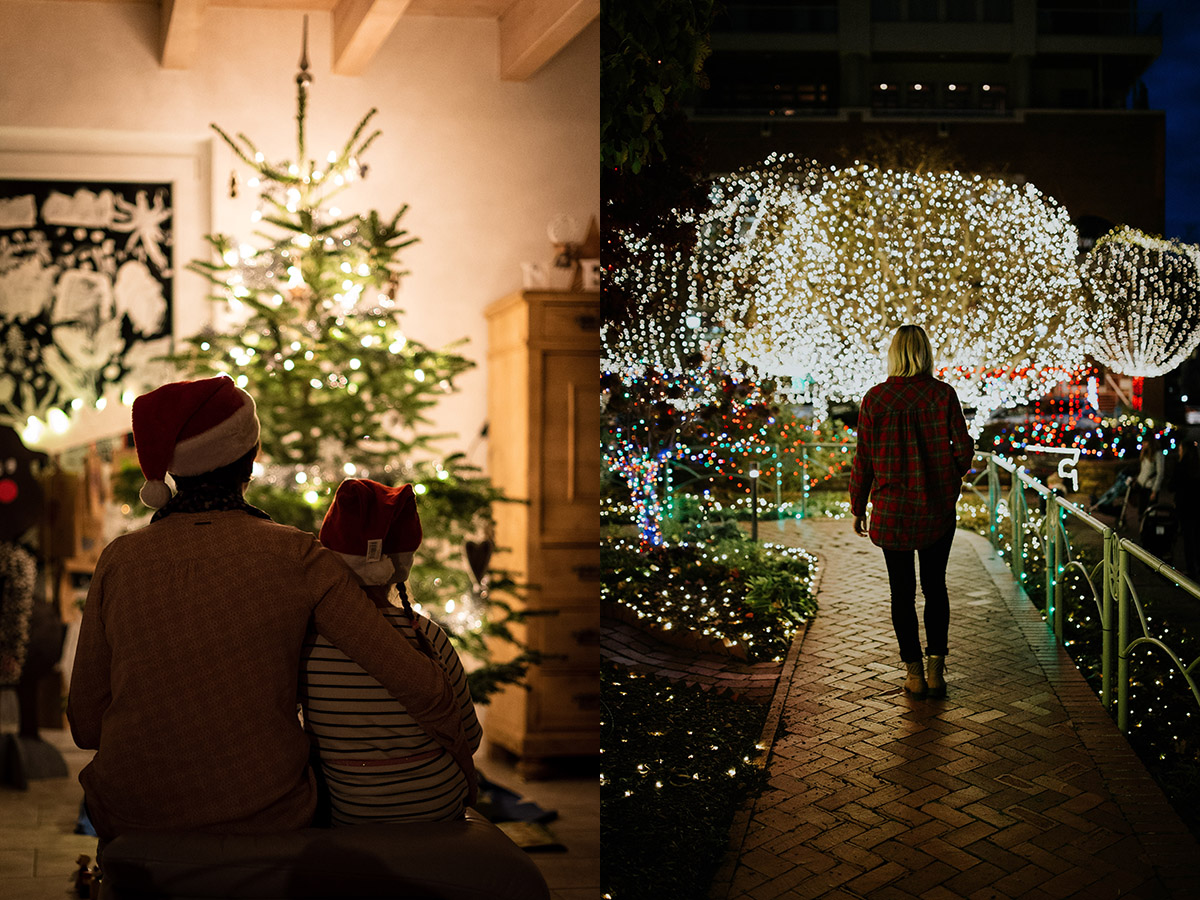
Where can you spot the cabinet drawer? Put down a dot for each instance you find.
(575, 570)
(572, 636)
(575, 323)
(565, 700)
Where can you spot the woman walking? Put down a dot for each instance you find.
(913, 450)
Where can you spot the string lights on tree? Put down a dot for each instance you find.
(662, 361)
(1143, 295)
(312, 330)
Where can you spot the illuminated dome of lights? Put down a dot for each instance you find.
(834, 262)
(686, 301)
(1143, 301)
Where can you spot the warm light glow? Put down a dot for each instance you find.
(1144, 301)
(832, 262)
(33, 430)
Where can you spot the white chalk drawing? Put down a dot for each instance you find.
(139, 295)
(143, 220)
(86, 278)
(81, 208)
(18, 212)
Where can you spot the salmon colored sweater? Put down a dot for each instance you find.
(186, 674)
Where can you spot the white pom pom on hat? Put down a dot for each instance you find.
(374, 528)
(189, 428)
(155, 494)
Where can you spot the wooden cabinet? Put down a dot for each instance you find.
(544, 450)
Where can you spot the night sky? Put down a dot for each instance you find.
(1173, 82)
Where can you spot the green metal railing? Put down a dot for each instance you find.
(1039, 539)
(806, 461)
(1116, 598)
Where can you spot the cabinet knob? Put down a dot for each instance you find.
(587, 573)
(587, 637)
(588, 323)
(587, 701)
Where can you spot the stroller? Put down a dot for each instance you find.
(1158, 528)
(1113, 501)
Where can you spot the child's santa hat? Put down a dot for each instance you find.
(374, 528)
(189, 428)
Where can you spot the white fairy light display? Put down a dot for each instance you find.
(663, 358)
(1143, 301)
(687, 301)
(837, 262)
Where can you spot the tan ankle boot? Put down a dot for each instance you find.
(935, 667)
(914, 684)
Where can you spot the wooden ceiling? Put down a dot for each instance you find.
(531, 31)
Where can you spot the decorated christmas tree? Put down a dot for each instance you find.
(309, 325)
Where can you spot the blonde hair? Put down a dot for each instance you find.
(910, 352)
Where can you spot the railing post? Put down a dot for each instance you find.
(804, 482)
(993, 477)
(1108, 573)
(1016, 503)
(1049, 548)
(1122, 639)
(1060, 554)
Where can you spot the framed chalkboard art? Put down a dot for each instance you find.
(85, 287)
(90, 264)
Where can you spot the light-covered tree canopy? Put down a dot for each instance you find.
(837, 259)
(1144, 301)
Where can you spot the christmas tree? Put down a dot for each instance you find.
(313, 332)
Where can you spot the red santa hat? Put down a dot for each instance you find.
(189, 428)
(374, 528)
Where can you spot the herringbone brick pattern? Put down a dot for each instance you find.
(1015, 786)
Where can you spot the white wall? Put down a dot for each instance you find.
(485, 164)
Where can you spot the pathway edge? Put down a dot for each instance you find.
(1140, 799)
(722, 882)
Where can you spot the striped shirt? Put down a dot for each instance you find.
(378, 763)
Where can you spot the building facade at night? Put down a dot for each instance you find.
(1041, 90)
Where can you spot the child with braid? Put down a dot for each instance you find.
(378, 764)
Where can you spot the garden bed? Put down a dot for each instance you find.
(676, 765)
(745, 598)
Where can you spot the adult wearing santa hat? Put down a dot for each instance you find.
(186, 671)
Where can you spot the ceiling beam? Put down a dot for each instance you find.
(533, 31)
(179, 28)
(359, 29)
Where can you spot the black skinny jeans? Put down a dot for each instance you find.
(902, 576)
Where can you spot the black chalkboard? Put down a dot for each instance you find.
(86, 275)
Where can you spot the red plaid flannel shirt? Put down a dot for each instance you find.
(913, 449)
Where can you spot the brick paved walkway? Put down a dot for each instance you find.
(1017, 785)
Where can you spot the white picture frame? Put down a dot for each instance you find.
(183, 161)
